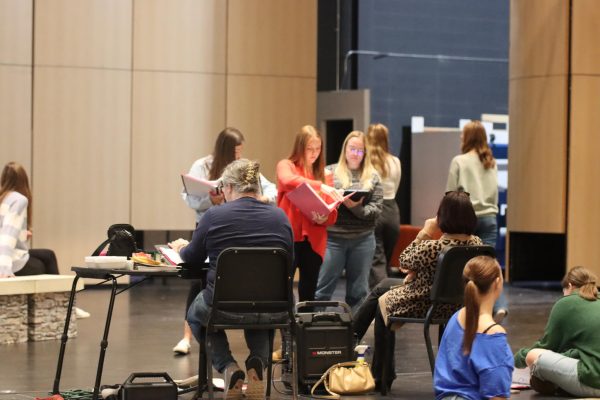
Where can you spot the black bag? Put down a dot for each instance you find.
(145, 389)
(121, 241)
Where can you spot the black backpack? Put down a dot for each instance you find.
(121, 241)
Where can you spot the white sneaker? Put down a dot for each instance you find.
(187, 383)
(183, 347)
(81, 314)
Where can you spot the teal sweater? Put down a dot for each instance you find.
(573, 330)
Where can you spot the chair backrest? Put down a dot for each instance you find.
(448, 284)
(253, 279)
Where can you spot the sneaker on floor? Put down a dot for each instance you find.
(183, 347)
(187, 382)
(256, 385)
(500, 315)
(234, 381)
(81, 314)
(542, 387)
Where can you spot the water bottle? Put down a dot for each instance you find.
(360, 350)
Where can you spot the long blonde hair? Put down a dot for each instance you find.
(378, 142)
(308, 132)
(14, 179)
(474, 138)
(342, 172)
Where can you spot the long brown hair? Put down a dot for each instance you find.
(14, 179)
(584, 281)
(308, 132)
(480, 273)
(378, 143)
(224, 151)
(474, 137)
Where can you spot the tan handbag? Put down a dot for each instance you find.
(353, 377)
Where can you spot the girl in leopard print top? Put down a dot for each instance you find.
(454, 225)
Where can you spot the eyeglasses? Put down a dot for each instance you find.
(358, 152)
(457, 191)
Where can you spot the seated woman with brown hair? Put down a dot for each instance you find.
(568, 354)
(456, 221)
(16, 258)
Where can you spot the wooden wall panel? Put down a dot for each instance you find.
(538, 38)
(583, 227)
(91, 33)
(16, 19)
(81, 152)
(270, 111)
(586, 34)
(537, 148)
(15, 115)
(180, 35)
(176, 118)
(272, 37)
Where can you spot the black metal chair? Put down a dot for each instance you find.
(251, 280)
(448, 288)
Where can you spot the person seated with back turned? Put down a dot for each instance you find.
(474, 360)
(242, 221)
(567, 356)
(410, 297)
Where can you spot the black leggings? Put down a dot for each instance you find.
(368, 309)
(309, 263)
(41, 261)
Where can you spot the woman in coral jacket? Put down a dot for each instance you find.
(306, 164)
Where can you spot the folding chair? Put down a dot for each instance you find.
(448, 288)
(252, 280)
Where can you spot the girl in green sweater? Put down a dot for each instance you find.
(568, 355)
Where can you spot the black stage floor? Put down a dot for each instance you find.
(147, 323)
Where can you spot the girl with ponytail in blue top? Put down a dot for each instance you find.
(474, 360)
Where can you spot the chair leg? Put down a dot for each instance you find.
(202, 367)
(270, 362)
(429, 346)
(209, 369)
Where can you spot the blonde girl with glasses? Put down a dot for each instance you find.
(351, 240)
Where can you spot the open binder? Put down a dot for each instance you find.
(310, 203)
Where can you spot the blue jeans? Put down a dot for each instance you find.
(353, 255)
(257, 340)
(487, 230)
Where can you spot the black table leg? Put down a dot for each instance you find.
(64, 337)
(104, 342)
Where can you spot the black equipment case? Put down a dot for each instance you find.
(148, 387)
(323, 338)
